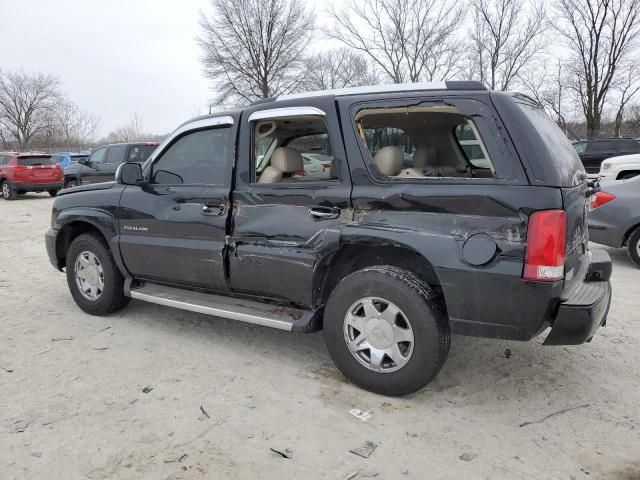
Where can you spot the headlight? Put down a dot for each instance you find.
(606, 166)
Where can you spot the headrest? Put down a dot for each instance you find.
(286, 159)
(389, 161)
(425, 157)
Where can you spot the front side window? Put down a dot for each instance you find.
(115, 154)
(422, 142)
(291, 150)
(200, 157)
(98, 156)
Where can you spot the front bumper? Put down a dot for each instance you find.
(37, 187)
(585, 309)
(50, 240)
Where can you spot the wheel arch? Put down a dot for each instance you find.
(622, 173)
(355, 255)
(628, 233)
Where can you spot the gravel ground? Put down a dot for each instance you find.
(72, 403)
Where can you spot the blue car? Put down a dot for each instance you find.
(64, 159)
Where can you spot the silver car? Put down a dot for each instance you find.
(615, 216)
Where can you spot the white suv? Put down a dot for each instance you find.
(620, 168)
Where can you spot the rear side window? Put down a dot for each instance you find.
(140, 153)
(413, 143)
(628, 144)
(601, 146)
(33, 161)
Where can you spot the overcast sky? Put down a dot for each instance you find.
(113, 57)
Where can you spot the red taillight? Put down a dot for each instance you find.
(20, 171)
(545, 250)
(600, 198)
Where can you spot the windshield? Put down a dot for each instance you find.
(32, 161)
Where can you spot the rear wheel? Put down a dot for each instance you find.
(386, 330)
(71, 183)
(54, 192)
(633, 246)
(95, 282)
(8, 193)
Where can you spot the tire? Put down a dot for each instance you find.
(110, 296)
(54, 192)
(71, 183)
(422, 316)
(627, 176)
(633, 246)
(6, 191)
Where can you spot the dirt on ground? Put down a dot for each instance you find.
(153, 392)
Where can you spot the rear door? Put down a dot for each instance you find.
(282, 227)
(173, 229)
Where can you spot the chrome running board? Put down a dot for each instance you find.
(258, 313)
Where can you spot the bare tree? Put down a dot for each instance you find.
(130, 132)
(410, 40)
(338, 68)
(628, 86)
(25, 104)
(507, 37)
(254, 48)
(600, 35)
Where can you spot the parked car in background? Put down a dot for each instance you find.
(388, 260)
(28, 172)
(593, 152)
(101, 165)
(64, 159)
(620, 168)
(615, 216)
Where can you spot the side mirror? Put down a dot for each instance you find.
(129, 173)
(84, 161)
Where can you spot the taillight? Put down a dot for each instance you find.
(545, 250)
(19, 171)
(600, 198)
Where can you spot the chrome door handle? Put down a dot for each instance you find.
(323, 213)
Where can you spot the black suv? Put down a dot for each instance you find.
(102, 164)
(593, 152)
(358, 212)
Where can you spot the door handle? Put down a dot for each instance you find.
(323, 213)
(214, 209)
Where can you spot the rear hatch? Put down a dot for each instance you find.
(555, 163)
(37, 169)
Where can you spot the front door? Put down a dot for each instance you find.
(173, 229)
(292, 197)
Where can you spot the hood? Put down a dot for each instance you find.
(87, 188)
(624, 159)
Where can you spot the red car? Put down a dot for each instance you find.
(28, 172)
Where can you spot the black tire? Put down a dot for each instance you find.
(54, 192)
(6, 191)
(627, 176)
(633, 246)
(424, 311)
(112, 297)
(72, 182)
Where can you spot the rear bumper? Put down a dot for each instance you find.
(37, 187)
(584, 309)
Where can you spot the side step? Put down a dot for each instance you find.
(266, 314)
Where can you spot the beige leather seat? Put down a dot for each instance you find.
(426, 158)
(389, 161)
(284, 162)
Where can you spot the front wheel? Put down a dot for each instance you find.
(71, 183)
(96, 284)
(386, 330)
(633, 246)
(8, 193)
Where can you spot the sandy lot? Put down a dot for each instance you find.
(72, 402)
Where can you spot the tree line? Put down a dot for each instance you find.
(577, 58)
(35, 114)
